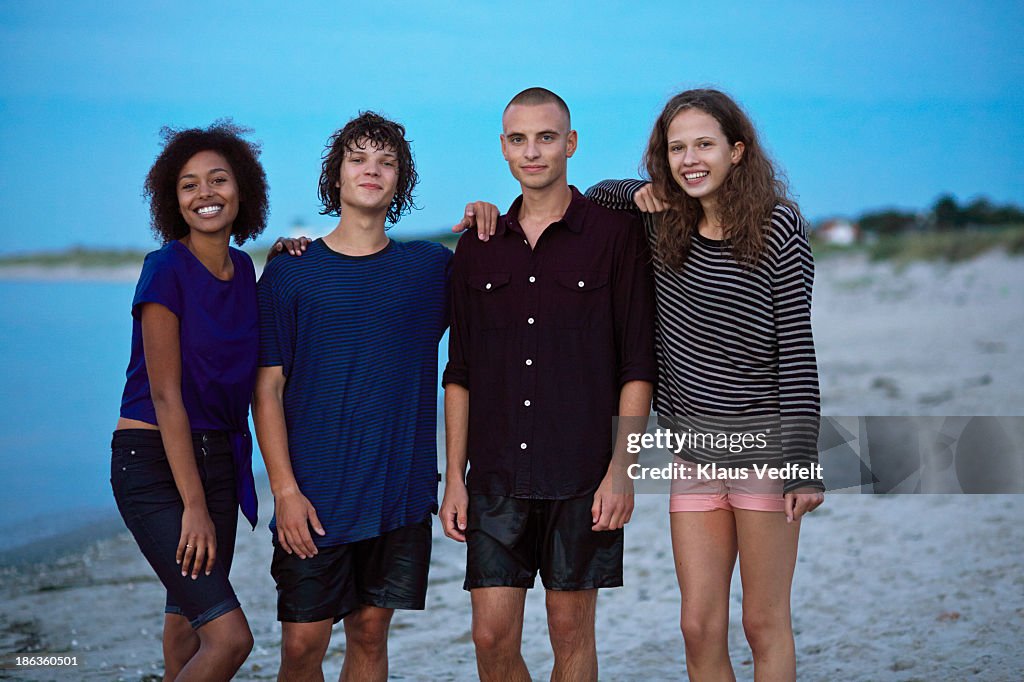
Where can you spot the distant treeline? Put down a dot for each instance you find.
(945, 215)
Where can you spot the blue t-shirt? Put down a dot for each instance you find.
(219, 335)
(356, 338)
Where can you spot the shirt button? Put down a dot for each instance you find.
(526, 242)
(526, 402)
(580, 283)
(532, 279)
(529, 320)
(529, 362)
(489, 285)
(522, 446)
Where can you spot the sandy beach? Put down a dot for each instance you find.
(897, 587)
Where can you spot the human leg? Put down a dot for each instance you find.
(151, 506)
(229, 641)
(303, 646)
(390, 572)
(312, 594)
(575, 561)
(498, 633)
(501, 564)
(571, 616)
(366, 644)
(767, 551)
(704, 547)
(180, 643)
(224, 644)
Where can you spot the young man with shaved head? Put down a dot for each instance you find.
(552, 337)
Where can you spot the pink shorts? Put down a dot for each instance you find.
(709, 488)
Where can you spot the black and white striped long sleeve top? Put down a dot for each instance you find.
(734, 345)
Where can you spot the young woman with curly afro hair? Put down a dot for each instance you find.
(181, 454)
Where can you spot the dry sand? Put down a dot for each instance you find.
(900, 587)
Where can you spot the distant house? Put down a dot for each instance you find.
(838, 231)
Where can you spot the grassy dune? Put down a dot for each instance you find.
(950, 247)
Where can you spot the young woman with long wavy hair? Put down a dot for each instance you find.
(735, 353)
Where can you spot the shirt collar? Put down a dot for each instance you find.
(573, 218)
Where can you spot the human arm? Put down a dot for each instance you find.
(799, 400)
(800, 501)
(479, 214)
(294, 512)
(161, 340)
(627, 195)
(613, 500)
(278, 331)
(455, 505)
(294, 246)
(633, 328)
(456, 403)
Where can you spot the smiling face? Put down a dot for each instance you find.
(537, 142)
(208, 193)
(368, 177)
(700, 155)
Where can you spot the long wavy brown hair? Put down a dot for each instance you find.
(745, 199)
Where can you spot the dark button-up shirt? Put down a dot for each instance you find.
(544, 339)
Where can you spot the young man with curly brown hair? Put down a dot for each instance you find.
(345, 408)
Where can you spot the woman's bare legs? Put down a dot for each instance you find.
(704, 546)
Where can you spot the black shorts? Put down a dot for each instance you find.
(151, 507)
(509, 539)
(389, 571)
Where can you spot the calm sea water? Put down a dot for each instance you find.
(65, 348)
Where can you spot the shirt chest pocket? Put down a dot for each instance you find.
(491, 300)
(580, 298)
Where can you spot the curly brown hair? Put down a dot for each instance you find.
(745, 199)
(180, 145)
(368, 128)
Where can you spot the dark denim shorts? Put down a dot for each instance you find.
(151, 508)
(509, 539)
(388, 571)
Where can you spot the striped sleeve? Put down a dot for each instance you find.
(277, 323)
(616, 194)
(799, 399)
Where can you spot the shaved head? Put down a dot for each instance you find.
(537, 96)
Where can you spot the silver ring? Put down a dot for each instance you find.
(187, 546)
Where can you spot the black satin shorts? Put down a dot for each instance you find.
(388, 571)
(509, 539)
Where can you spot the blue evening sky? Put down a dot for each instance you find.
(865, 104)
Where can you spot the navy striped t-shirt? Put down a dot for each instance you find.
(357, 340)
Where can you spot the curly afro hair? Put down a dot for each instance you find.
(369, 128)
(225, 138)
